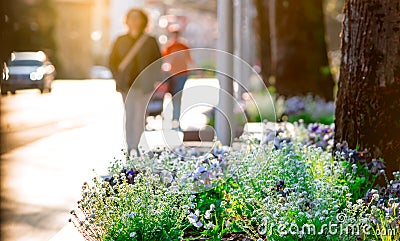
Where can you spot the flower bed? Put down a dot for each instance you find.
(288, 186)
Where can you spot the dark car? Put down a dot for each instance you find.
(27, 70)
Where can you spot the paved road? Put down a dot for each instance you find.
(50, 144)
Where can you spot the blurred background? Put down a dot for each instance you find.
(51, 142)
(77, 34)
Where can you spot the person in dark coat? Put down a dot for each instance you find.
(135, 79)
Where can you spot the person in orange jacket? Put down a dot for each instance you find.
(178, 59)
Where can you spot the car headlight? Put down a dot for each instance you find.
(37, 75)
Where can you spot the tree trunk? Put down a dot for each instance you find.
(302, 64)
(368, 101)
(263, 37)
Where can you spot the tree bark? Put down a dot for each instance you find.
(368, 100)
(302, 65)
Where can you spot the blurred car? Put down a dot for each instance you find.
(27, 70)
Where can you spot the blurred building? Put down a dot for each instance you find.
(72, 37)
(100, 32)
(197, 20)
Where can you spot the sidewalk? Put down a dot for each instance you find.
(68, 233)
(193, 121)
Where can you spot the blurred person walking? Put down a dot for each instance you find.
(130, 55)
(177, 59)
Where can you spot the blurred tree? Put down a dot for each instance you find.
(263, 38)
(301, 59)
(368, 100)
(32, 24)
(6, 33)
(297, 37)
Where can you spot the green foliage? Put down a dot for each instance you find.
(358, 178)
(308, 118)
(307, 108)
(144, 210)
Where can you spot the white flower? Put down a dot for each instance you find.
(375, 196)
(198, 224)
(212, 207)
(373, 191)
(133, 234)
(199, 171)
(207, 215)
(130, 215)
(223, 204)
(166, 176)
(194, 219)
(209, 226)
(214, 163)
